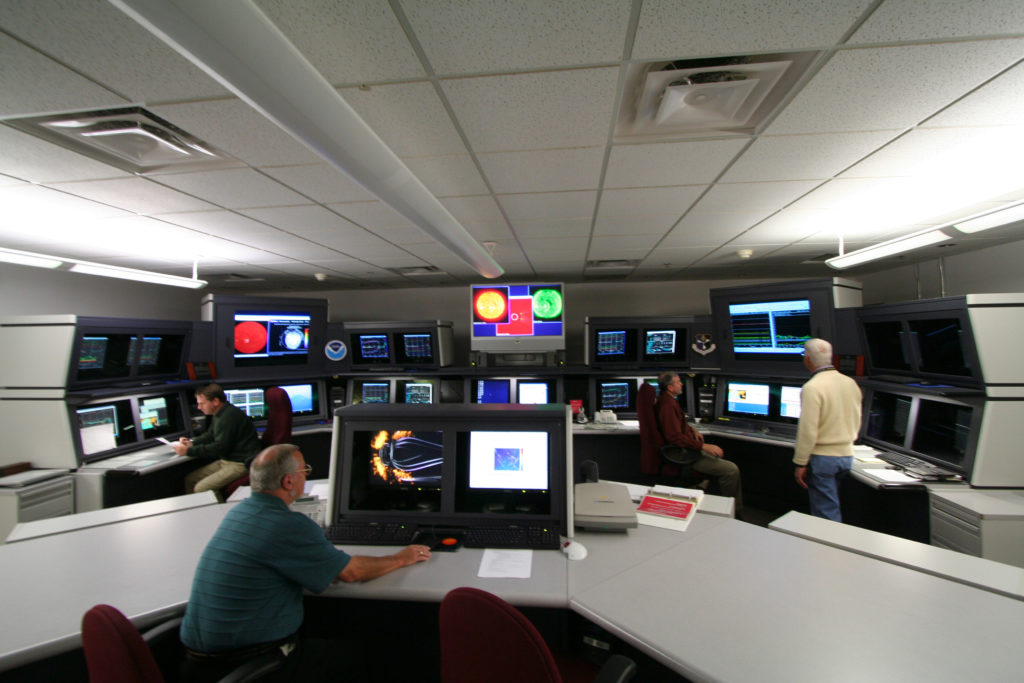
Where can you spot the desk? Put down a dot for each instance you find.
(724, 601)
(141, 566)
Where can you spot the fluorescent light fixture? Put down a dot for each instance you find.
(241, 48)
(26, 258)
(137, 275)
(890, 248)
(993, 219)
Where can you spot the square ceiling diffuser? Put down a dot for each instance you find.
(129, 138)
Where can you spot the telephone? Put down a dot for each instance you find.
(605, 417)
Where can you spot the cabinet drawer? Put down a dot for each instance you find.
(952, 532)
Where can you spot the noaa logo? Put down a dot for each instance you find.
(335, 350)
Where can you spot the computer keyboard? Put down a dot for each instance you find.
(522, 537)
(371, 533)
(915, 465)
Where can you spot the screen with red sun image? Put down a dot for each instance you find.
(508, 318)
(265, 338)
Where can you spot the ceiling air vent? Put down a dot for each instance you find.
(705, 97)
(609, 268)
(417, 270)
(820, 258)
(129, 138)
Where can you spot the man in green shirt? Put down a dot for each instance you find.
(229, 442)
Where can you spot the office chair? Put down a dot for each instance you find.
(278, 430)
(653, 460)
(115, 651)
(483, 638)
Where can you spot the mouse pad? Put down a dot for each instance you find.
(439, 541)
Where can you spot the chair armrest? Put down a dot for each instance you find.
(618, 669)
(255, 669)
(162, 629)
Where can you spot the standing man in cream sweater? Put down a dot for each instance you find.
(830, 404)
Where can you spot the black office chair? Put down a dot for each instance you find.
(658, 459)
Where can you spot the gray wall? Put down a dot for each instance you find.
(26, 290)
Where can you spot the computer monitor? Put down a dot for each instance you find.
(371, 349)
(778, 328)
(665, 346)
(248, 399)
(452, 465)
(617, 395)
(419, 392)
(105, 427)
(160, 416)
(747, 399)
(372, 391)
(414, 348)
(104, 356)
(491, 390)
(522, 318)
(888, 418)
(789, 402)
(271, 338)
(533, 391)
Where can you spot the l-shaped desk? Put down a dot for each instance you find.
(722, 601)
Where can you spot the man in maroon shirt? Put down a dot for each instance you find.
(676, 431)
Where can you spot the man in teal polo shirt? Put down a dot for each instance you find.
(247, 590)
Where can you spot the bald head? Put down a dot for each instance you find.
(818, 353)
(271, 465)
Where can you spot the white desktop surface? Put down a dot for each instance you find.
(121, 513)
(743, 603)
(142, 566)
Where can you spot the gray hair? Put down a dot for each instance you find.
(270, 466)
(819, 352)
(665, 378)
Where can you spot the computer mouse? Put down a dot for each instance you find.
(574, 550)
(449, 541)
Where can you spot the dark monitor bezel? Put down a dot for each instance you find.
(130, 404)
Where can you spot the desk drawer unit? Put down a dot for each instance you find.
(51, 498)
(987, 524)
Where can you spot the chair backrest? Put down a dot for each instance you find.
(279, 417)
(114, 649)
(483, 638)
(651, 439)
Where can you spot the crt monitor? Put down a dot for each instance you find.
(396, 469)
(664, 345)
(160, 415)
(524, 318)
(104, 427)
(491, 390)
(615, 346)
(533, 391)
(416, 391)
(271, 338)
(618, 395)
(372, 348)
(374, 391)
(774, 328)
(414, 349)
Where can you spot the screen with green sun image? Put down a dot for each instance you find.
(526, 318)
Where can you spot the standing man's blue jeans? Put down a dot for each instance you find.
(823, 477)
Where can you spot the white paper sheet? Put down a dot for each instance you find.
(506, 564)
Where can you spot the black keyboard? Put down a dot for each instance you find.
(371, 533)
(521, 537)
(915, 465)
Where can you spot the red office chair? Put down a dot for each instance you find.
(483, 638)
(115, 651)
(652, 443)
(278, 430)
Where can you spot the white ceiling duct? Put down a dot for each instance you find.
(237, 45)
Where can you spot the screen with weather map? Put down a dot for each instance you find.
(271, 338)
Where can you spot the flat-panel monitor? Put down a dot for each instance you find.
(266, 337)
(888, 418)
(747, 399)
(104, 427)
(418, 392)
(372, 391)
(664, 345)
(305, 398)
(529, 391)
(414, 348)
(271, 338)
(522, 318)
(491, 390)
(396, 469)
(456, 466)
(789, 402)
(371, 349)
(160, 415)
(617, 394)
(770, 327)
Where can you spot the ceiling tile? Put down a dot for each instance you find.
(302, 220)
(804, 157)
(673, 29)
(549, 205)
(408, 117)
(765, 197)
(448, 176)
(679, 163)
(899, 20)
(461, 37)
(134, 194)
(635, 202)
(566, 227)
(225, 224)
(350, 42)
(571, 169)
(534, 111)
(320, 182)
(893, 87)
(996, 103)
(32, 83)
(699, 228)
(35, 160)
(236, 188)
